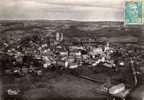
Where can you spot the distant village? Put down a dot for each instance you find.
(59, 52)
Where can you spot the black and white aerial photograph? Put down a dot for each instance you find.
(70, 50)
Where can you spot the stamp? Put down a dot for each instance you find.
(133, 12)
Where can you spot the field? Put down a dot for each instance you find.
(113, 31)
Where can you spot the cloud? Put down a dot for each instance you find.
(86, 3)
(62, 9)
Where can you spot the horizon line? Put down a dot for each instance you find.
(61, 20)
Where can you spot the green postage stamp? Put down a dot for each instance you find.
(133, 12)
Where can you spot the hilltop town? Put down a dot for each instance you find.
(36, 51)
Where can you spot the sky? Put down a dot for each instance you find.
(81, 10)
